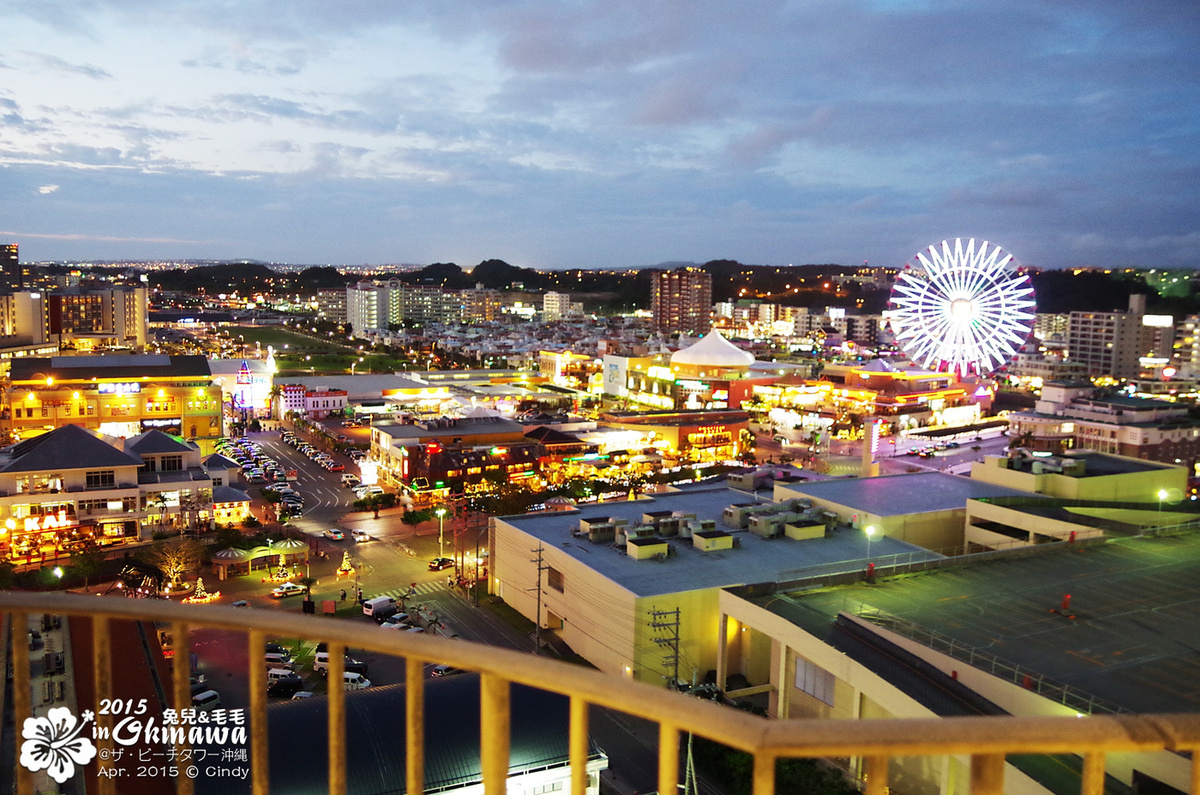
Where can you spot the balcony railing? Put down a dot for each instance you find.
(986, 740)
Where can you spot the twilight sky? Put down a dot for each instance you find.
(600, 133)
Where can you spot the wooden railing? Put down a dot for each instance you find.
(986, 740)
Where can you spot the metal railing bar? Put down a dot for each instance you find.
(22, 689)
(495, 701)
(181, 694)
(336, 686)
(260, 763)
(414, 718)
(734, 728)
(578, 746)
(102, 653)
(668, 757)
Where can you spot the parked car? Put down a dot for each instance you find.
(336, 467)
(206, 700)
(287, 589)
(286, 686)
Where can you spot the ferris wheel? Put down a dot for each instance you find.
(961, 308)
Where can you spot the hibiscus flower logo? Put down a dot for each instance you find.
(53, 744)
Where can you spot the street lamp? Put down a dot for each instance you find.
(441, 515)
(1162, 495)
(870, 530)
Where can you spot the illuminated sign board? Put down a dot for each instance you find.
(119, 389)
(57, 521)
(692, 386)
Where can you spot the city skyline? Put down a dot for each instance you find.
(600, 135)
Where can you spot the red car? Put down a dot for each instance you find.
(336, 467)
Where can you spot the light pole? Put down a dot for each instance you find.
(870, 530)
(441, 515)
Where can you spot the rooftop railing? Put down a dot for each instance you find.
(986, 740)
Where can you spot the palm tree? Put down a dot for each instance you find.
(307, 583)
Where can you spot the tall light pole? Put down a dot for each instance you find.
(441, 515)
(870, 531)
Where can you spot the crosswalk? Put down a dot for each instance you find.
(421, 589)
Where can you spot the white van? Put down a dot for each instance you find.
(274, 660)
(279, 673)
(354, 681)
(207, 700)
(378, 603)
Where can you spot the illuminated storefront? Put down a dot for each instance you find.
(71, 488)
(707, 436)
(119, 396)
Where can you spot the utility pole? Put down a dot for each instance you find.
(537, 626)
(668, 621)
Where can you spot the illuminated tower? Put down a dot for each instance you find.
(681, 301)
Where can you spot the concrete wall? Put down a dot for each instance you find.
(1012, 517)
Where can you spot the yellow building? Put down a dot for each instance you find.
(119, 396)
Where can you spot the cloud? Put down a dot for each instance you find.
(56, 64)
(46, 189)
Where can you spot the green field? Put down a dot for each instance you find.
(297, 353)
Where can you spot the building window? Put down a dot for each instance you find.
(172, 463)
(815, 680)
(554, 578)
(101, 480)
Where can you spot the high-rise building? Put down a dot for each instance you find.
(1114, 343)
(558, 305)
(367, 306)
(10, 264)
(481, 305)
(681, 301)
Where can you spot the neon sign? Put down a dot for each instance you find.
(119, 389)
(57, 521)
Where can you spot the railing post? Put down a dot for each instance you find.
(102, 651)
(414, 724)
(578, 745)
(668, 757)
(335, 681)
(1093, 774)
(987, 774)
(875, 775)
(22, 692)
(260, 763)
(764, 775)
(495, 699)
(181, 694)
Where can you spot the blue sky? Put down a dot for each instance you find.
(600, 134)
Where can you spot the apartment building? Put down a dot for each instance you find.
(681, 301)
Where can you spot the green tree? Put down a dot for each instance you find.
(87, 561)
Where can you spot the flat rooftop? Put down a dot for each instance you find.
(1095, 464)
(1132, 641)
(757, 560)
(894, 495)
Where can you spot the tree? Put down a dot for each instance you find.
(307, 583)
(177, 558)
(87, 561)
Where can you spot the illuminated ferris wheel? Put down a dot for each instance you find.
(961, 308)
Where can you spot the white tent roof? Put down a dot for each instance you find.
(713, 350)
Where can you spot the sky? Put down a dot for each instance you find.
(600, 134)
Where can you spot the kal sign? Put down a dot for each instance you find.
(34, 524)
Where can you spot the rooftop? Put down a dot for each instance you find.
(895, 495)
(66, 447)
(757, 560)
(80, 368)
(1130, 640)
(1094, 464)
